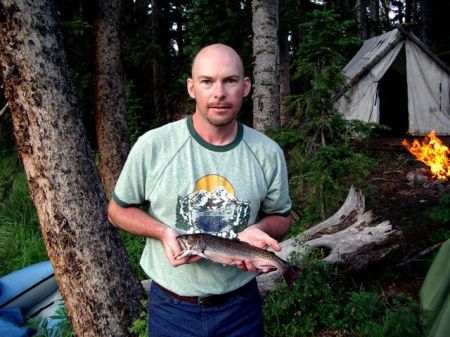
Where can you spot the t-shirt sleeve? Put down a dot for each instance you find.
(130, 189)
(277, 200)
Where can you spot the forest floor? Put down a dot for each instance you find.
(405, 205)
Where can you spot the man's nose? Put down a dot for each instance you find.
(219, 90)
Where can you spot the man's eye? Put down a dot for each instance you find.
(232, 81)
(205, 81)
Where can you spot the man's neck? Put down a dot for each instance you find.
(215, 135)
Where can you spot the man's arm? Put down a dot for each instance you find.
(135, 221)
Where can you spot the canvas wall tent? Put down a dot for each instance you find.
(394, 79)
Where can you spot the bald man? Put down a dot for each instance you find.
(207, 173)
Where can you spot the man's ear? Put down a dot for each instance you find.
(190, 87)
(247, 86)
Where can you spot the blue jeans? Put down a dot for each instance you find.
(239, 315)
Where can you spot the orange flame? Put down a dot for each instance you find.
(432, 152)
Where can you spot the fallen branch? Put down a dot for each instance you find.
(421, 256)
(349, 237)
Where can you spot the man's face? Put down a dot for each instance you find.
(218, 85)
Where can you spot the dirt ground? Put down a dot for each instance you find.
(405, 204)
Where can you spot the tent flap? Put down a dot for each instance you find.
(428, 93)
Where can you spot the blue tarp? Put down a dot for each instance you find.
(11, 323)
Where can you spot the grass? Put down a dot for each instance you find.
(21, 244)
(326, 302)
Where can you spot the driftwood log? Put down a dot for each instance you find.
(350, 238)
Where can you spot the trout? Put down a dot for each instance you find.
(229, 251)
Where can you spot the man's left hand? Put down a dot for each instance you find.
(258, 238)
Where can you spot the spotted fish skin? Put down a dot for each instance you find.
(230, 251)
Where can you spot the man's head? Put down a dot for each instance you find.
(218, 84)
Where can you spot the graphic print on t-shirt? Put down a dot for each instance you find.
(212, 208)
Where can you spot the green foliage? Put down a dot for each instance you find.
(209, 21)
(324, 180)
(441, 212)
(361, 308)
(140, 326)
(322, 301)
(367, 314)
(319, 62)
(135, 120)
(134, 246)
(302, 310)
(57, 325)
(320, 176)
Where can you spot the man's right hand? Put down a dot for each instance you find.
(173, 249)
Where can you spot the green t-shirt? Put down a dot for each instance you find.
(197, 187)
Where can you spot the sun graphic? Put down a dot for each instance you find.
(211, 181)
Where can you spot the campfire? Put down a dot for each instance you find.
(433, 153)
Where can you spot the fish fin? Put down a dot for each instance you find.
(290, 274)
(270, 268)
(187, 253)
(183, 254)
(261, 268)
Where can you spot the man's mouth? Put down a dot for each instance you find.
(219, 107)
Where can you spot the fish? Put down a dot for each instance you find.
(229, 251)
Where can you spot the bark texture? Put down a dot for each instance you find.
(266, 92)
(111, 125)
(351, 238)
(159, 74)
(361, 18)
(91, 267)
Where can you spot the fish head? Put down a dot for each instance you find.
(190, 244)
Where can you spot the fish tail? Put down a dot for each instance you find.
(290, 274)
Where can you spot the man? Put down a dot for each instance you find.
(207, 173)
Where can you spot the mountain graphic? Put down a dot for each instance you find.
(215, 212)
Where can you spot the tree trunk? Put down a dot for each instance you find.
(350, 239)
(427, 22)
(159, 76)
(361, 18)
(400, 11)
(93, 273)
(266, 92)
(111, 125)
(385, 11)
(374, 17)
(408, 11)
